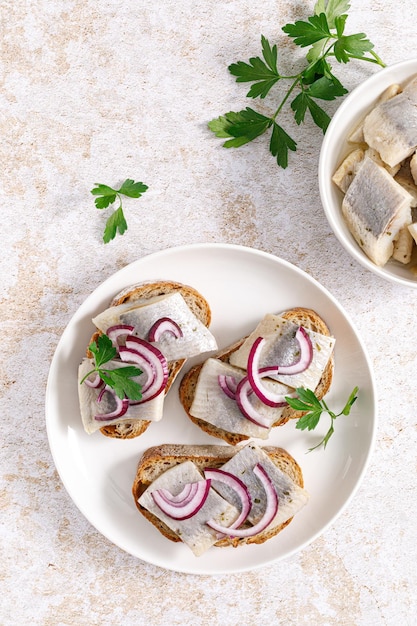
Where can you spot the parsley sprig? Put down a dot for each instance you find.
(314, 408)
(119, 379)
(107, 195)
(324, 34)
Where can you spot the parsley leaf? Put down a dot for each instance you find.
(242, 127)
(116, 222)
(279, 145)
(119, 379)
(319, 115)
(313, 408)
(351, 46)
(332, 9)
(325, 88)
(324, 34)
(308, 33)
(107, 195)
(132, 189)
(263, 72)
(304, 102)
(103, 350)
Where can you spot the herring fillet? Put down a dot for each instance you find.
(196, 337)
(391, 127)
(291, 496)
(281, 348)
(193, 531)
(375, 208)
(212, 405)
(149, 411)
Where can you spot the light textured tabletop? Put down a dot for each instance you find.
(98, 91)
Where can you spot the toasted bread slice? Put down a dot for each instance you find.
(142, 292)
(302, 316)
(158, 459)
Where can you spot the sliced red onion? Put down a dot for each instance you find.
(243, 391)
(155, 360)
(306, 354)
(133, 356)
(164, 325)
(122, 406)
(189, 505)
(141, 345)
(96, 383)
(228, 385)
(181, 498)
(269, 513)
(238, 486)
(101, 394)
(119, 330)
(255, 373)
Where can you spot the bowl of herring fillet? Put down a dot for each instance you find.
(368, 173)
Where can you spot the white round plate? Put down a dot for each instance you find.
(242, 285)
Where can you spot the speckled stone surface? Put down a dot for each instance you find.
(100, 91)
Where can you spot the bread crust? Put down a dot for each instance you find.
(158, 459)
(144, 291)
(300, 315)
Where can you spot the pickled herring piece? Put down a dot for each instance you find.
(376, 208)
(391, 127)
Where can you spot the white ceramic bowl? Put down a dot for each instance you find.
(335, 147)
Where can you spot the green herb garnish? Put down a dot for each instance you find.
(324, 34)
(119, 379)
(107, 195)
(306, 400)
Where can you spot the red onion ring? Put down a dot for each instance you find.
(267, 396)
(128, 355)
(243, 391)
(182, 498)
(119, 330)
(141, 349)
(164, 325)
(270, 512)
(122, 406)
(228, 385)
(190, 505)
(101, 394)
(238, 486)
(96, 383)
(306, 354)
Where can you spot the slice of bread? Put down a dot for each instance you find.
(304, 317)
(158, 459)
(142, 292)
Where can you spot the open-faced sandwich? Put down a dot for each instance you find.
(219, 495)
(141, 343)
(240, 393)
